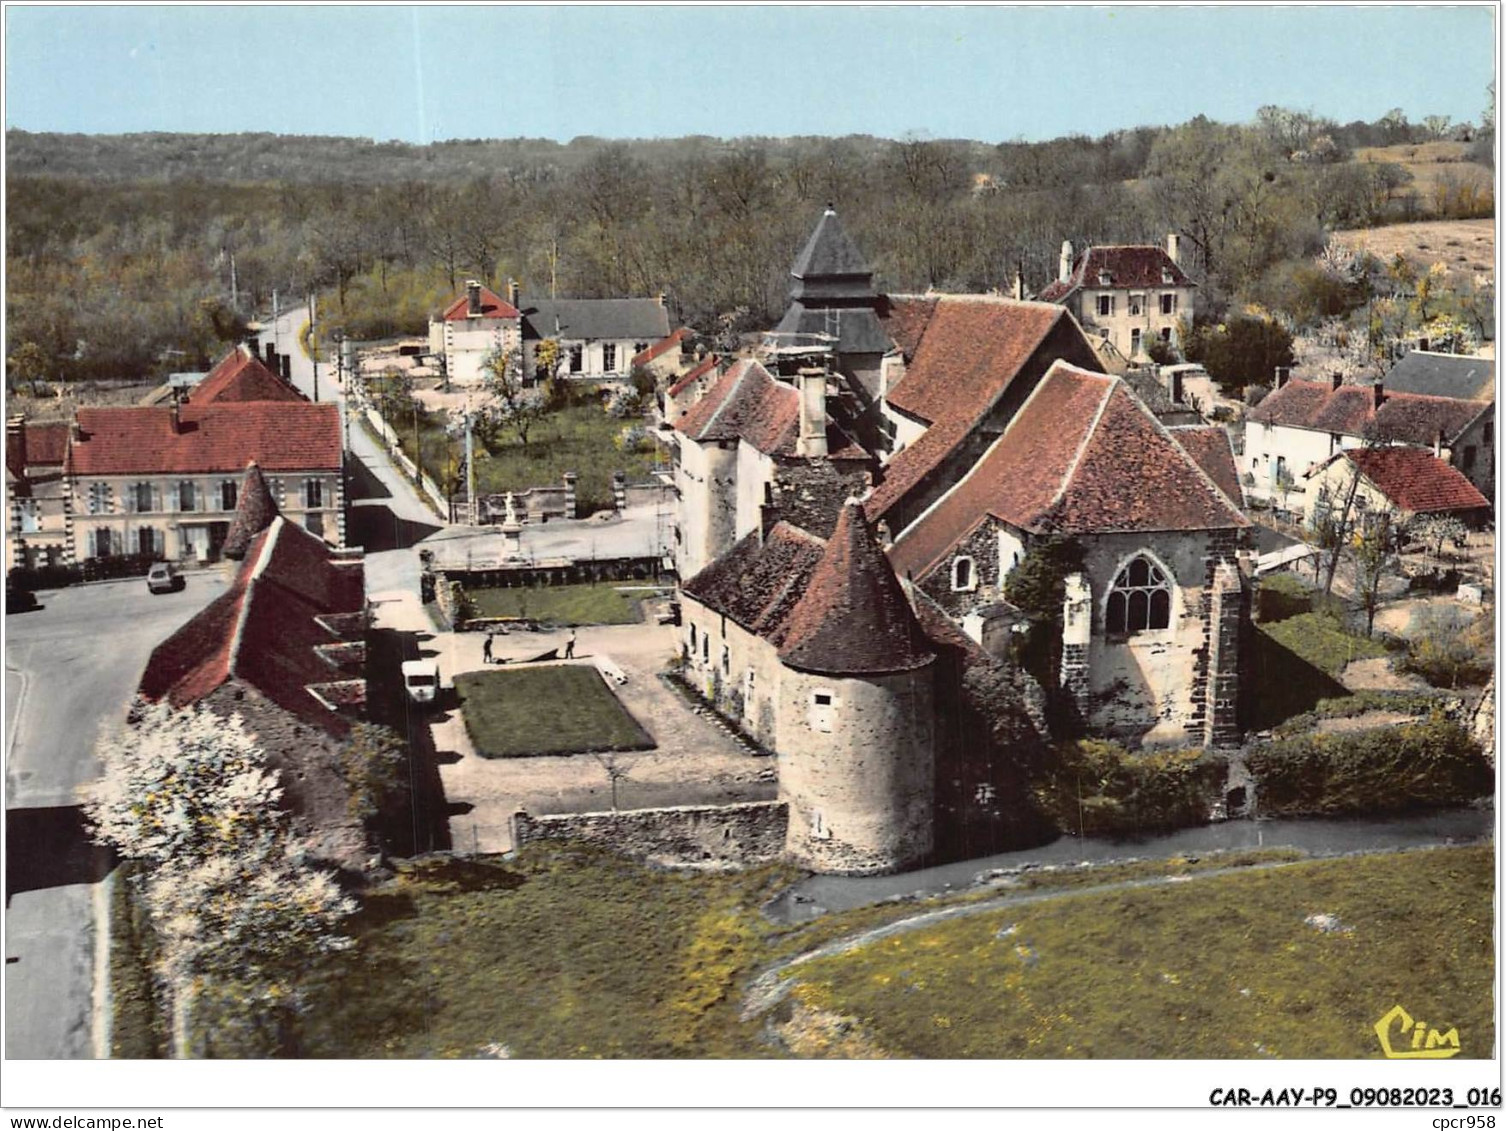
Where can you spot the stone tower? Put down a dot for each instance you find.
(855, 729)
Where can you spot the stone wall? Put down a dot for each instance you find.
(750, 832)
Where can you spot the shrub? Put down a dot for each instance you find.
(1097, 788)
(1386, 770)
(1449, 653)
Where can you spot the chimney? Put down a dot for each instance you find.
(15, 443)
(812, 389)
(271, 348)
(1174, 248)
(177, 423)
(1438, 444)
(1283, 375)
(473, 298)
(286, 361)
(514, 295)
(1335, 381)
(1377, 393)
(768, 512)
(1064, 270)
(1019, 281)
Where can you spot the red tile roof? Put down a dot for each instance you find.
(746, 403)
(757, 583)
(278, 435)
(1082, 456)
(1138, 266)
(46, 444)
(1416, 481)
(1350, 410)
(905, 318)
(661, 347)
(1209, 445)
(263, 630)
(254, 512)
(493, 306)
(239, 377)
(700, 371)
(854, 617)
(970, 351)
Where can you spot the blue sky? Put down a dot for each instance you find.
(990, 73)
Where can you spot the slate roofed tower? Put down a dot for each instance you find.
(833, 305)
(855, 724)
(254, 511)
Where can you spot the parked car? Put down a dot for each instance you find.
(164, 578)
(421, 680)
(19, 600)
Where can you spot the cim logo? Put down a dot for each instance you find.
(1402, 1038)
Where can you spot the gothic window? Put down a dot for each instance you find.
(1140, 600)
(964, 575)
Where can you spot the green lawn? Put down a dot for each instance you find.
(553, 710)
(576, 438)
(1322, 641)
(1295, 665)
(559, 604)
(1218, 967)
(568, 952)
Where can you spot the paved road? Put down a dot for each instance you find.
(72, 667)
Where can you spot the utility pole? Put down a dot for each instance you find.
(276, 337)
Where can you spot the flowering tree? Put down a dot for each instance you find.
(512, 404)
(236, 909)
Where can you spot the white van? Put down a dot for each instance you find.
(421, 680)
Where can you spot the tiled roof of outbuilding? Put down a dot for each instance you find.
(1417, 481)
(221, 437)
(46, 443)
(1138, 266)
(702, 370)
(239, 377)
(746, 403)
(263, 629)
(661, 347)
(757, 583)
(1082, 456)
(854, 617)
(1350, 410)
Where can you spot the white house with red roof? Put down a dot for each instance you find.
(471, 328)
(1130, 294)
(164, 480)
(1400, 481)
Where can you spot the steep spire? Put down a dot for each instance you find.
(830, 253)
(254, 512)
(854, 618)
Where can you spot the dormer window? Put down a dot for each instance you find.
(1105, 279)
(1166, 275)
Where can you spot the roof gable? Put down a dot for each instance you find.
(1125, 266)
(1082, 456)
(854, 617)
(493, 308)
(239, 377)
(746, 403)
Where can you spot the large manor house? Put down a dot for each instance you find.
(853, 499)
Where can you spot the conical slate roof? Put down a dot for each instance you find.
(830, 252)
(254, 512)
(854, 618)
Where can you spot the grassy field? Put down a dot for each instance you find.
(568, 952)
(1434, 165)
(1217, 967)
(1296, 662)
(559, 604)
(1321, 641)
(1462, 245)
(553, 710)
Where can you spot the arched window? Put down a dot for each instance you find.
(964, 576)
(1140, 600)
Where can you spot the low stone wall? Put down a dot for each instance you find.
(749, 832)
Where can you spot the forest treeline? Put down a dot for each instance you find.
(132, 255)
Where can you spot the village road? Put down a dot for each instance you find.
(71, 668)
